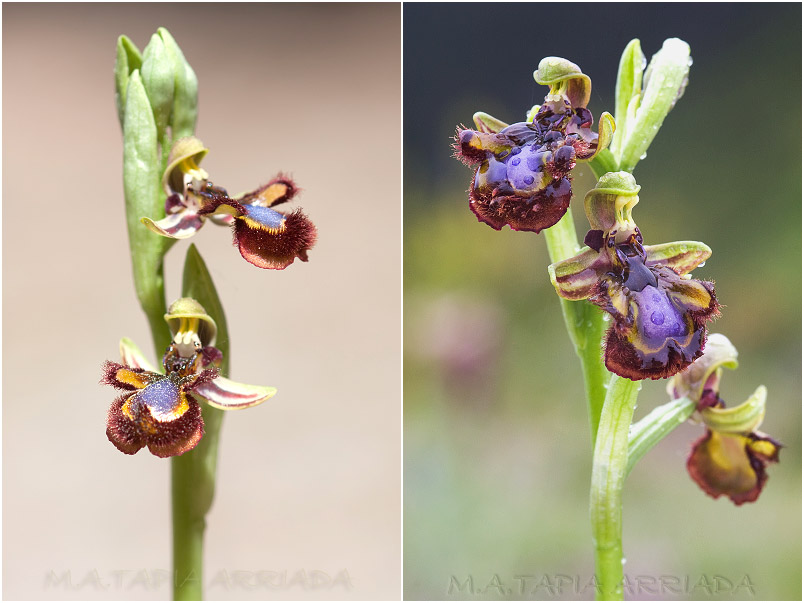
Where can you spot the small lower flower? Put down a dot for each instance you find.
(162, 410)
(730, 459)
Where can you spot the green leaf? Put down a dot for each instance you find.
(197, 283)
(194, 472)
(185, 99)
(128, 61)
(629, 87)
(664, 83)
(159, 80)
(144, 197)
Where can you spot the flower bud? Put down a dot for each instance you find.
(185, 97)
(641, 105)
(128, 60)
(158, 79)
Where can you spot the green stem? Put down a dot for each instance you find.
(608, 474)
(655, 426)
(193, 473)
(584, 322)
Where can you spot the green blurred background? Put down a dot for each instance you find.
(497, 455)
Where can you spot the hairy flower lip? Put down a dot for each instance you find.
(522, 170)
(730, 459)
(161, 410)
(732, 465)
(265, 237)
(659, 312)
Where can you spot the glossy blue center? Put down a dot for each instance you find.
(161, 397)
(264, 215)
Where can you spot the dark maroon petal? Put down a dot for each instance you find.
(122, 431)
(215, 201)
(532, 213)
(272, 249)
(211, 356)
(594, 239)
(623, 359)
(659, 319)
(279, 190)
(176, 437)
(125, 377)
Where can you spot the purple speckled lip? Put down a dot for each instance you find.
(160, 397)
(658, 317)
(264, 215)
(525, 171)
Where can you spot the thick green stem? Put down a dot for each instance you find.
(608, 474)
(584, 322)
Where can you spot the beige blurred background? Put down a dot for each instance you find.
(308, 502)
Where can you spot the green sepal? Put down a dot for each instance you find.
(488, 124)
(742, 419)
(719, 353)
(159, 81)
(663, 84)
(574, 278)
(128, 60)
(185, 97)
(605, 131)
(185, 155)
(611, 202)
(628, 89)
(565, 78)
(681, 256)
(187, 308)
(144, 197)
(132, 356)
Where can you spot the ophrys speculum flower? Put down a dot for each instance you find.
(731, 457)
(659, 311)
(523, 174)
(162, 410)
(265, 237)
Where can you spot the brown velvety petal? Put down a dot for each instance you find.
(122, 431)
(660, 319)
(172, 438)
(279, 190)
(125, 377)
(732, 465)
(623, 359)
(532, 213)
(275, 248)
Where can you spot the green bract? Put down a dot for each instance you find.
(643, 103)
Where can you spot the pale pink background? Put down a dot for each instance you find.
(311, 480)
